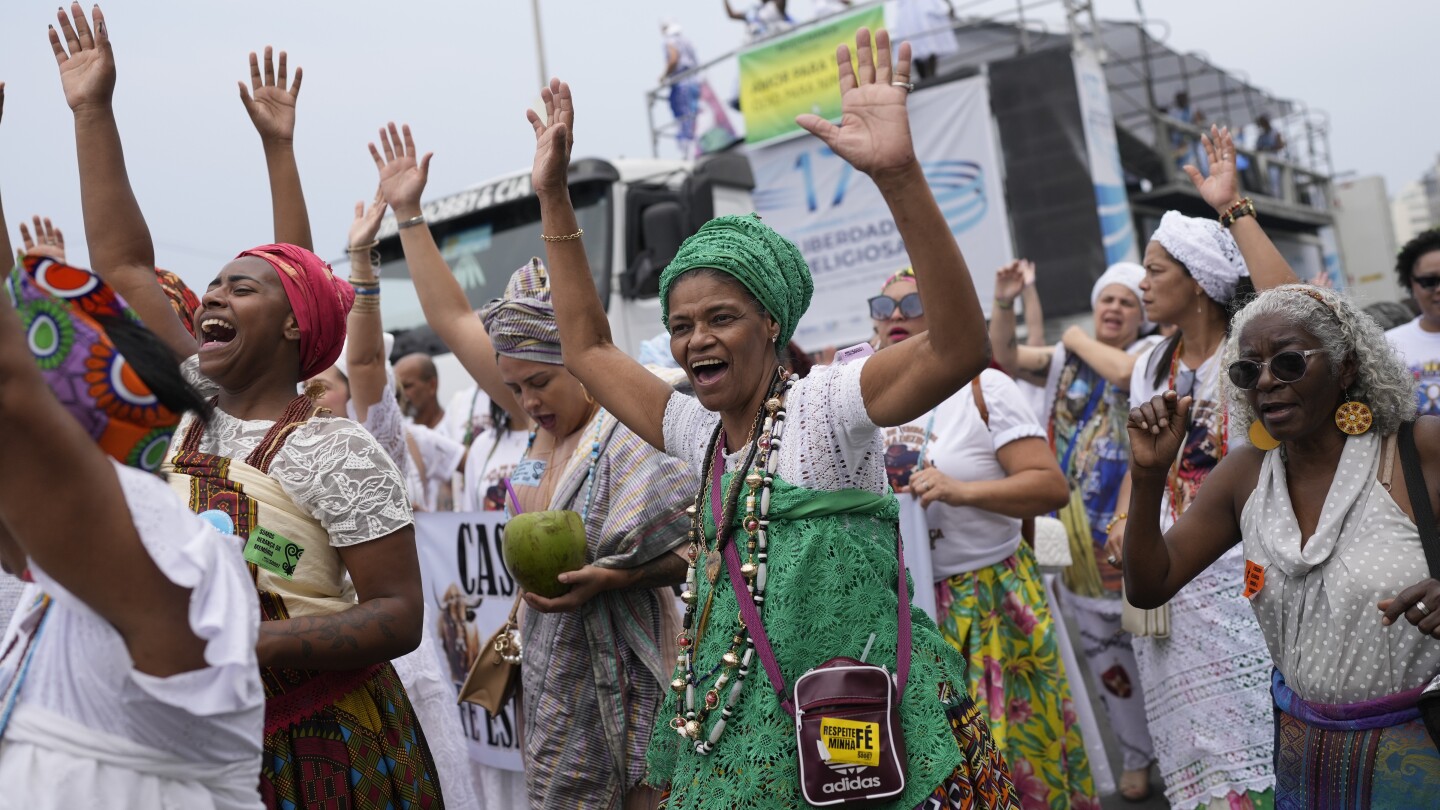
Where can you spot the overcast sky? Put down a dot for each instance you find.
(463, 73)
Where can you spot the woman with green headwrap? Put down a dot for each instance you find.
(808, 455)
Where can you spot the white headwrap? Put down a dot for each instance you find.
(1207, 251)
(1127, 275)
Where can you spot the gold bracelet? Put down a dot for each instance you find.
(363, 248)
(566, 238)
(1116, 519)
(1006, 305)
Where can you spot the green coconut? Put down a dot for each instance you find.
(540, 546)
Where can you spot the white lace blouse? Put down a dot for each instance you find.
(332, 468)
(830, 443)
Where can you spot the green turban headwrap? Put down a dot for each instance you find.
(768, 264)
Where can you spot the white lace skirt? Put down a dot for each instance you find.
(1207, 691)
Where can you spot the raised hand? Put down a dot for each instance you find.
(272, 107)
(1157, 429)
(554, 138)
(87, 64)
(48, 241)
(1009, 281)
(367, 220)
(874, 131)
(1222, 188)
(402, 175)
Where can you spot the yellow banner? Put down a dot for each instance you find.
(796, 74)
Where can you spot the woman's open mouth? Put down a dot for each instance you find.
(709, 371)
(546, 422)
(216, 333)
(897, 334)
(1277, 412)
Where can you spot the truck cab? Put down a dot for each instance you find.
(635, 214)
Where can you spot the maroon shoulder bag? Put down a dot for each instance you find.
(847, 712)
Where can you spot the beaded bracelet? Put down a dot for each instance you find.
(566, 238)
(1245, 207)
(1109, 527)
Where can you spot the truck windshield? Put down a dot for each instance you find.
(484, 247)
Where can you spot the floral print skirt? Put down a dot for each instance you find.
(999, 620)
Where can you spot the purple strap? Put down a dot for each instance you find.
(752, 616)
(514, 498)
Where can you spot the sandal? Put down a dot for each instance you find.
(1135, 785)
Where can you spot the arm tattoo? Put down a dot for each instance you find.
(662, 572)
(362, 635)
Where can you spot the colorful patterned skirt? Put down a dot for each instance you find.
(363, 751)
(1376, 753)
(999, 620)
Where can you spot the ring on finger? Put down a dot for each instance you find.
(1420, 606)
(909, 86)
(1112, 560)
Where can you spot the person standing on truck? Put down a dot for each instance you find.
(684, 93)
(731, 300)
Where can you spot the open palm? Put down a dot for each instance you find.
(271, 99)
(402, 174)
(554, 137)
(874, 130)
(86, 61)
(1221, 188)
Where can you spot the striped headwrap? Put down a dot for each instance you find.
(768, 264)
(522, 323)
(319, 300)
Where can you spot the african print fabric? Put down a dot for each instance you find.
(999, 619)
(333, 738)
(1090, 441)
(1375, 753)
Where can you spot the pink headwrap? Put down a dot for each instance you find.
(319, 300)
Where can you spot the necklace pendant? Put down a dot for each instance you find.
(712, 565)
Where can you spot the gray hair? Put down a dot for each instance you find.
(1382, 381)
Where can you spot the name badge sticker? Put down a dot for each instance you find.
(273, 552)
(849, 742)
(528, 473)
(1254, 579)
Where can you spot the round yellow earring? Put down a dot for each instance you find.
(1261, 438)
(1354, 418)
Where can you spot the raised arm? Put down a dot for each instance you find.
(905, 381)
(1221, 190)
(272, 111)
(1024, 362)
(7, 252)
(1034, 312)
(121, 250)
(1157, 566)
(83, 536)
(402, 181)
(364, 330)
(732, 13)
(1115, 365)
(623, 386)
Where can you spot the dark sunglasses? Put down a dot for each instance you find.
(883, 306)
(1426, 282)
(1285, 367)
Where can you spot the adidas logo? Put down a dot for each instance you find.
(851, 783)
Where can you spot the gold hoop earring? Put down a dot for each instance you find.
(589, 400)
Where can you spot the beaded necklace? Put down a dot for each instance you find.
(1172, 478)
(589, 475)
(689, 721)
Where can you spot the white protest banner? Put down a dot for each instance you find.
(841, 224)
(471, 591)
